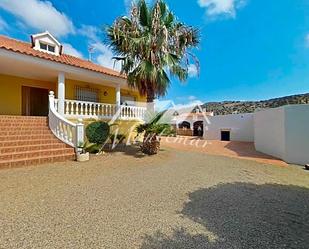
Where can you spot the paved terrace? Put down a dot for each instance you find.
(241, 150)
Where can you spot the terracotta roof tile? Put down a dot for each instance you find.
(26, 48)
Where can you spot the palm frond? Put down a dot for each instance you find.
(149, 44)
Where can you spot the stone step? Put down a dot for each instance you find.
(31, 147)
(29, 141)
(12, 121)
(36, 160)
(35, 153)
(23, 125)
(10, 143)
(25, 128)
(21, 118)
(20, 132)
(26, 137)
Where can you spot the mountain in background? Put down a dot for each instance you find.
(232, 107)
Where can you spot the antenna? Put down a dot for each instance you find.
(90, 52)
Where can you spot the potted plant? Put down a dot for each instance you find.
(81, 154)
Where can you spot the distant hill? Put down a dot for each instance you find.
(230, 107)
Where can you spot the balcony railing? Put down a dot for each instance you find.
(83, 109)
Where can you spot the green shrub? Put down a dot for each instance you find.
(159, 129)
(98, 132)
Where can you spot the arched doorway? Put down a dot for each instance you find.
(198, 128)
(184, 124)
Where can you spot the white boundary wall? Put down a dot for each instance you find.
(269, 132)
(284, 133)
(239, 125)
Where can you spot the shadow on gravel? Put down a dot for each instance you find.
(129, 150)
(245, 216)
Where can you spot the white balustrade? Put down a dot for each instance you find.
(132, 112)
(84, 109)
(73, 134)
(66, 131)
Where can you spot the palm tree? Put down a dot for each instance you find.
(152, 46)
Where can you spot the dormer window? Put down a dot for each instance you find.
(43, 46)
(47, 47)
(51, 48)
(45, 42)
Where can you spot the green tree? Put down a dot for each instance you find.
(153, 46)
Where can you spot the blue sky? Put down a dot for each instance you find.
(250, 49)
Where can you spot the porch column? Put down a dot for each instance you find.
(61, 93)
(118, 96)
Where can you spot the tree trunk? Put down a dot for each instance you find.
(151, 143)
(150, 98)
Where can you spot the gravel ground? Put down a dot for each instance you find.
(172, 200)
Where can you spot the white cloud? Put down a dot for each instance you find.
(90, 32)
(40, 15)
(216, 8)
(192, 98)
(105, 56)
(68, 49)
(188, 99)
(3, 24)
(102, 54)
(192, 70)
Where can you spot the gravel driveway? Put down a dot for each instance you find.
(176, 199)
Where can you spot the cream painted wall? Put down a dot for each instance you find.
(240, 125)
(11, 92)
(70, 90)
(127, 128)
(111, 91)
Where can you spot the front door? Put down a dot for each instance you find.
(34, 101)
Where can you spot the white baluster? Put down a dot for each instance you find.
(72, 108)
(65, 107)
(83, 109)
(91, 109)
(86, 109)
(126, 112)
(76, 108)
(96, 109)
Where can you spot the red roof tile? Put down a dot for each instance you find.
(26, 48)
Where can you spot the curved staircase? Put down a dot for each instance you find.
(28, 140)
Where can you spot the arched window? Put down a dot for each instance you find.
(198, 128)
(184, 124)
